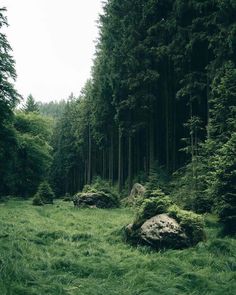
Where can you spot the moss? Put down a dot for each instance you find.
(102, 187)
(191, 223)
(98, 199)
(151, 207)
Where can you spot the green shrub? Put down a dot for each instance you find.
(191, 223)
(45, 193)
(152, 206)
(37, 201)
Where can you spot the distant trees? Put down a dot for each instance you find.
(52, 109)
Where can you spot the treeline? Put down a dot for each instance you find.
(162, 86)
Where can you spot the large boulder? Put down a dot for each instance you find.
(95, 200)
(159, 232)
(162, 231)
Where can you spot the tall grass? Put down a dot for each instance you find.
(58, 249)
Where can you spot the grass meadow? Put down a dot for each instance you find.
(58, 249)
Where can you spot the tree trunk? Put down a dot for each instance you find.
(120, 161)
(111, 160)
(89, 156)
(104, 163)
(151, 143)
(130, 164)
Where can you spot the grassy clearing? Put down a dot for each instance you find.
(58, 249)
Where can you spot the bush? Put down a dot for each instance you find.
(37, 201)
(191, 223)
(44, 193)
(152, 206)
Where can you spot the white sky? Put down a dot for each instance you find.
(53, 44)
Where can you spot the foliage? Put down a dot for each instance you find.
(157, 178)
(8, 100)
(223, 187)
(37, 201)
(192, 223)
(33, 157)
(44, 194)
(188, 196)
(158, 203)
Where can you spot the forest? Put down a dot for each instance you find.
(158, 114)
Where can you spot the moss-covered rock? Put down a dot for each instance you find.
(191, 223)
(95, 200)
(160, 224)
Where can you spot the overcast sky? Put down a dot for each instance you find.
(53, 44)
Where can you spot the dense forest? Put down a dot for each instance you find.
(161, 101)
(160, 104)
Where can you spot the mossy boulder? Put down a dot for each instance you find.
(160, 224)
(97, 199)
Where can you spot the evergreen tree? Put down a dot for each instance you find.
(31, 105)
(8, 100)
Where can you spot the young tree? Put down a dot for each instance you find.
(31, 105)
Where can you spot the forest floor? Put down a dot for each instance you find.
(57, 249)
